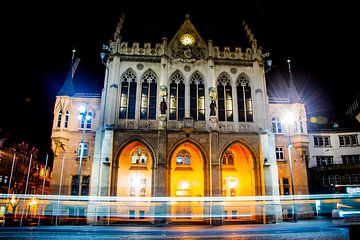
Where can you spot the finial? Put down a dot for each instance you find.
(288, 61)
(73, 54)
(119, 27)
(187, 16)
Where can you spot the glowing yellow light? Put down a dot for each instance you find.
(289, 117)
(33, 202)
(184, 185)
(13, 200)
(187, 39)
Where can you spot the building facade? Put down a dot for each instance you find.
(181, 118)
(334, 159)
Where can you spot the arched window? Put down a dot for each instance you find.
(301, 125)
(88, 119)
(197, 97)
(224, 92)
(128, 95)
(276, 125)
(183, 158)
(67, 116)
(228, 158)
(59, 116)
(139, 157)
(244, 100)
(177, 96)
(148, 96)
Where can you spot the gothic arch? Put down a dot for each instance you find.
(224, 78)
(197, 76)
(192, 141)
(243, 79)
(129, 74)
(177, 76)
(147, 77)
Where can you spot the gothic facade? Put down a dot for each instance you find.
(181, 118)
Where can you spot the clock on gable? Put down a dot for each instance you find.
(187, 39)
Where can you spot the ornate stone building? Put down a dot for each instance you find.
(181, 118)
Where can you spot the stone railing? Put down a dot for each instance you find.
(145, 50)
(237, 54)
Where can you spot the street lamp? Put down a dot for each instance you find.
(289, 118)
(85, 116)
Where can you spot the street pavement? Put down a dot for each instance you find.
(303, 229)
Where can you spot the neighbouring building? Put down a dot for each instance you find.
(334, 159)
(15, 163)
(180, 118)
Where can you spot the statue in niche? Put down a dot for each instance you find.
(163, 106)
(212, 108)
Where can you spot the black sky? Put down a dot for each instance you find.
(37, 38)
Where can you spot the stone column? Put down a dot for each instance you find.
(159, 188)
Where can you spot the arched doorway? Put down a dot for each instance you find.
(134, 179)
(238, 179)
(187, 179)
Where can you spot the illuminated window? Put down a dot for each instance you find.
(85, 150)
(67, 116)
(197, 97)
(224, 92)
(148, 96)
(324, 160)
(58, 123)
(228, 158)
(177, 97)
(276, 125)
(286, 186)
(128, 95)
(139, 156)
(183, 158)
(245, 108)
(131, 214)
(86, 120)
(301, 125)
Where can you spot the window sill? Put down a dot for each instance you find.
(183, 169)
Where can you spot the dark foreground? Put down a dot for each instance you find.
(304, 229)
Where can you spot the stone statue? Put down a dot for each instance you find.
(212, 108)
(163, 106)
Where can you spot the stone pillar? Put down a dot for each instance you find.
(271, 179)
(159, 188)
(215, 179)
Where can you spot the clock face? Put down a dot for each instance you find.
(187, 39)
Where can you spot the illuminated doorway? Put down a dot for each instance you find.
(238, 179)
(134, 179)
(187, 180)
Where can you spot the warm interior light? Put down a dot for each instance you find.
(13, 200)
(33, 202)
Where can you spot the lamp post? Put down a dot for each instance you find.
(290, 118)
(84, 116)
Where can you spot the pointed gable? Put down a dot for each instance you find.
(187, 44)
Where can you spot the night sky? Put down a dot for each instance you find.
(37, 40)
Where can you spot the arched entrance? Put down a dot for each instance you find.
(134, 179)
(238, 179)
(187, 179)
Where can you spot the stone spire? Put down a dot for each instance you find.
(249, 35)
(68, 87)
(119, 27)
(293, 95)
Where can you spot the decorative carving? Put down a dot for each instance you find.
(187, 68)
(140, 66)
(212, 108)
(233, 70)
(163, 106)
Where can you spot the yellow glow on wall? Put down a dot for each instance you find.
(187, 180)
(238, 179)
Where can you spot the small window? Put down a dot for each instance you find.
(85, 150)
(67, 116)
(234, 214)
(183, 158)
(141, 214)
(322, 141)
(139, 157)
(276, 125)
(279, 151)
(228, 158)
(58, 123)
(348, 140)
(131, 214)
